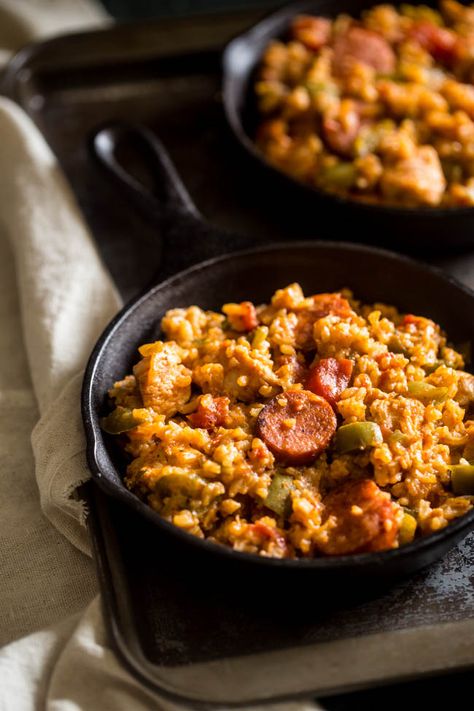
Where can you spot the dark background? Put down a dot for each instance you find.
(140, 9)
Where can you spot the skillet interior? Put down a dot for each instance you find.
(372, 274)
(410, 228)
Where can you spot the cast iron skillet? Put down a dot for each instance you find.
(373, 274)
(410, 228)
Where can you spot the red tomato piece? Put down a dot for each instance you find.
(211, 412)
(267, 534)
(440, 42)
(324, 304)
(329, 377)
(243, 317)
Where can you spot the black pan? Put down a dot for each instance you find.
(414, 229)
(373, 274)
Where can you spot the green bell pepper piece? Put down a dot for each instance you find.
(341, 175)
(278, 498)
(462, 479)
(425, 391)
(357, 435)
(398, 436)
(120, 420)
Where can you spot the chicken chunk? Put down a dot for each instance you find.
(418, 179)
(164, 382)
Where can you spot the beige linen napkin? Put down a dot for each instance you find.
(65, 299)
(22, 21)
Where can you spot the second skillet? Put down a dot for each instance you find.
(414, 229)
(255, 274)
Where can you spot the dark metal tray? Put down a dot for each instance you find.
(180, 640)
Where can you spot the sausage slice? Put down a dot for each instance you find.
(365, 519)
(296, 426)
(364, 46)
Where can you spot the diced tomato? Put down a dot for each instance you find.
(269, 533)
(416, 321)
(324, 304)
(211, 412)
(438, 41)
(264, 530)
(249, 316)
(242, 317)
(329, 377)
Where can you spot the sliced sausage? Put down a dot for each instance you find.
(365, 519)
(341, 130)
(296, 426)
(329, 377)
(364, 46)
(313, 32)
(211, 412)
(418, 179)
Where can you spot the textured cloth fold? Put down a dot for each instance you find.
(66, 299)
(22, 21)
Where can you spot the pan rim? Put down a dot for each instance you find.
(95, 443)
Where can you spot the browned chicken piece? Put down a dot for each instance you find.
(465, 393)
(165, 384)
(417, 179)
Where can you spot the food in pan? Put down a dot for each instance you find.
(379, 108)
(311, 426)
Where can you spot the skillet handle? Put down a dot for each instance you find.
(161, 195)
(165, 197)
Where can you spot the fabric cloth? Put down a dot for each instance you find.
(55, 298)
(23, 21)
(65, 297)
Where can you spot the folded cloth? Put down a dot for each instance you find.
(65, 299)
(22, 21)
